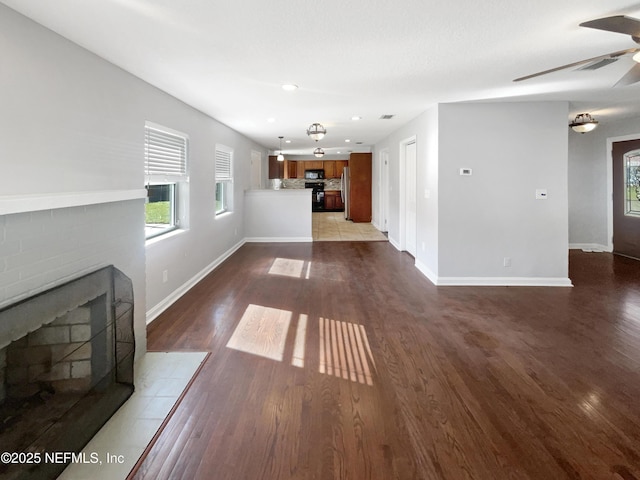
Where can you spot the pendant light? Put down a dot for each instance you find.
(316, 131)
(583, 123)
(280, 155)
(318, 152)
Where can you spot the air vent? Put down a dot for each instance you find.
(358, 143)
(386, 117)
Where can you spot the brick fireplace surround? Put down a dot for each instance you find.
(66, 365)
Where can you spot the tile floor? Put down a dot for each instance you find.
(160, 379)
(331, 226)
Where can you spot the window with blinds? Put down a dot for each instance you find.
(165, 153)
(224, 178)
(165, 164)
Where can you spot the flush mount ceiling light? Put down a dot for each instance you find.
(280, 155)
(583, 123)
(316, 131)
(318, 152)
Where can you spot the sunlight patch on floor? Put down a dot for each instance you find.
(287, 267)
(262, 331)
(345, 351)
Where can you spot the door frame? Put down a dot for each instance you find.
(402, 169)
(383, 186)
(610, 142)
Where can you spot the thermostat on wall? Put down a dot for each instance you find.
(465, 171)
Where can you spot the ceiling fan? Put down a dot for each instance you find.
(618, 24)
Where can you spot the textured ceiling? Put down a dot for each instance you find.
(366, 58)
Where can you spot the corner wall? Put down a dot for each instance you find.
(467, 225)
(74, 124)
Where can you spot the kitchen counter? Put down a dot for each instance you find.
(282, 215)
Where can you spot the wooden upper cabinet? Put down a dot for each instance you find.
(340, 164)
(329, 168)
(313, 165)
(276, 168)
(291, 169)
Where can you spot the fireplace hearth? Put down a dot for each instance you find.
(66, 366)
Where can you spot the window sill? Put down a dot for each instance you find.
(223, 214)
(173, 233)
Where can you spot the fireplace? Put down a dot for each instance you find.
(66, 365)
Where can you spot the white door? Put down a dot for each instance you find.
(256, 170)
(410, 198)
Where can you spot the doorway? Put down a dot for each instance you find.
(625, 157)
(408, 208)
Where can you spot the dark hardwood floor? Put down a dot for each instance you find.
(462, 382)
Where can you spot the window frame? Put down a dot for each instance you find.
(631, 185)
(223, 176)
(166, 163)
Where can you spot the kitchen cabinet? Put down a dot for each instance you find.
(340, 164)
(329, 168)
(276, 168)
(313, 165)
(291, 169)
(333, 200)
(360, 187)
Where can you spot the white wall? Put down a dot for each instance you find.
(493, 213)
(469, 224)
(268, 215)
(589, 202)
(425, 130)
(72, 122)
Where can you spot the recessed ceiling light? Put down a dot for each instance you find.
(347, 140)
(338, 151)
(356, 117)
(287, 141)
(271, 120)
(289, 87)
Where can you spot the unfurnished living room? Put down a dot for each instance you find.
(342, 240)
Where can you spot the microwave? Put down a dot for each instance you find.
(314, 174)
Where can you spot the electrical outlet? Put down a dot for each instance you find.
(506, 262)
(165, 276)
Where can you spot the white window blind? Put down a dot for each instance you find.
(164, 153)
(223, 165)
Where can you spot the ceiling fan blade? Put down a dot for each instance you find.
(617, 24)
(631, 77)
(581, 62)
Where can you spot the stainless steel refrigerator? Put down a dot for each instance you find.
(345, 191)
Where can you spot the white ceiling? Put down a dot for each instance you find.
(360, 57)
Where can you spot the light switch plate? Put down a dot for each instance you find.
(541, 194)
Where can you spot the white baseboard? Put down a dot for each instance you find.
(278, 239)
(426, 271)
(156, 310)
(589, 247)
(394, 242)
(504, 281)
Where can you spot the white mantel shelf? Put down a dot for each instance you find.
(10, 204)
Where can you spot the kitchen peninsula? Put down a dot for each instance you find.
(278, 215)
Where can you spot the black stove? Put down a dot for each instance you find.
(317, 195)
